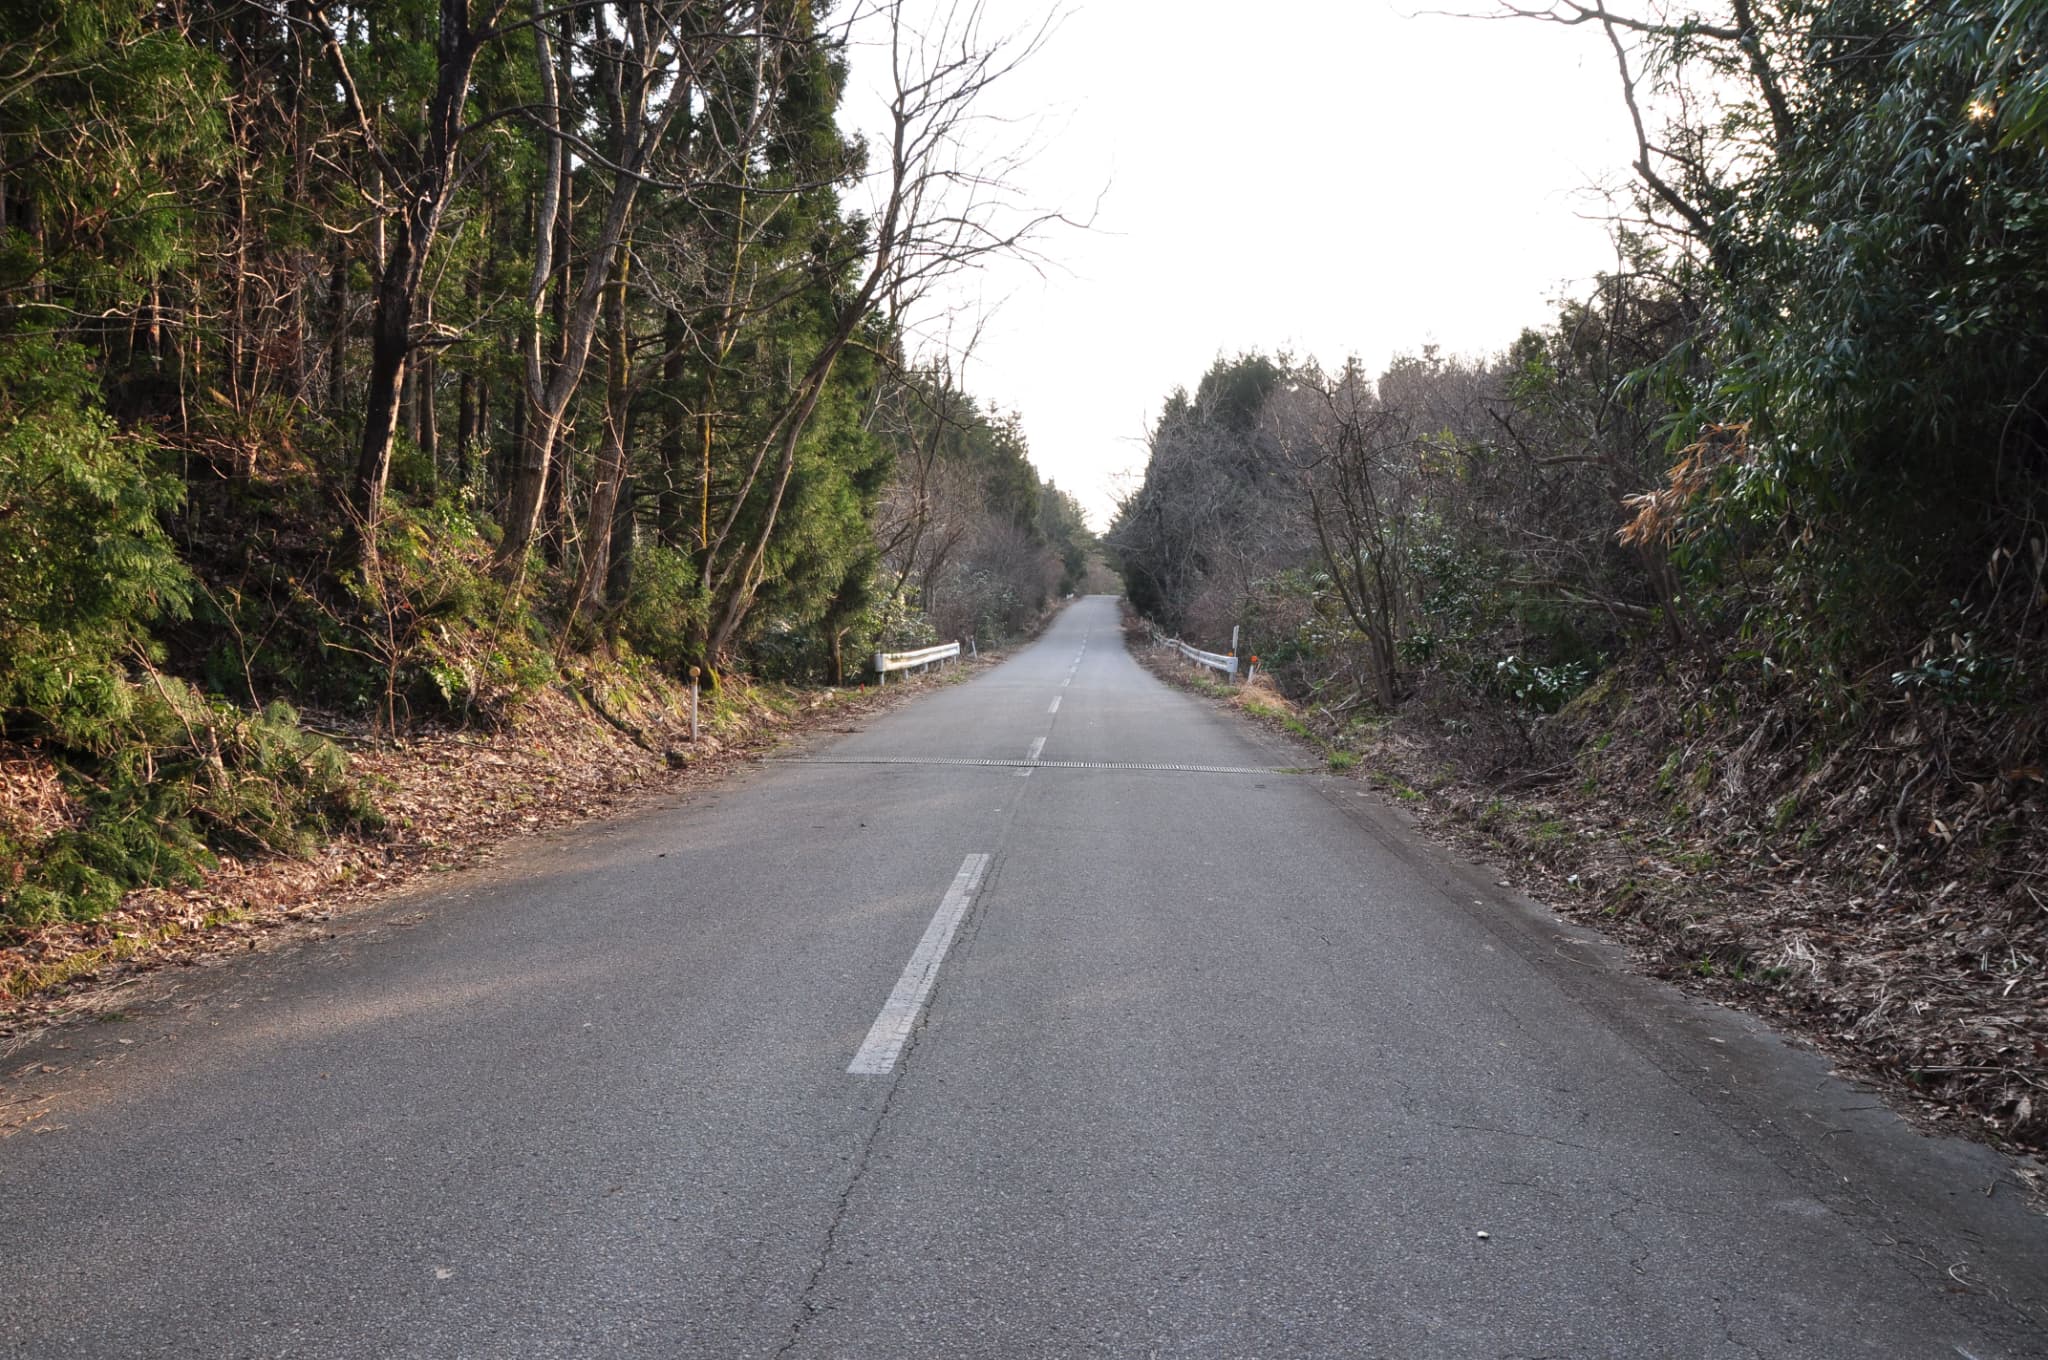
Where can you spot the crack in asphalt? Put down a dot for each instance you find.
(1727, 1323)
(807, 1304)
(806, 1301)
(1627, 1232)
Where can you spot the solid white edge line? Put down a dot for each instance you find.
(891, 1030)
(1055, 704)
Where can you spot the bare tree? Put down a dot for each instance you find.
(651, 62)
(944, 206)
(997, 583)
(1354, 457)
(1744, 46)
(927, 508)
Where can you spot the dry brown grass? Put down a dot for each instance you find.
(1259, 693)
(33, 800)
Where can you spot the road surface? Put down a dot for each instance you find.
(1049, 1016)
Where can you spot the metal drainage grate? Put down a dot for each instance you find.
(1030, 764)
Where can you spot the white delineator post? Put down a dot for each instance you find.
(694, 673)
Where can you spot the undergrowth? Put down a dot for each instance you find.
(174, 779)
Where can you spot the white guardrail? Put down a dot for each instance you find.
(1215, 661)
(903, 661)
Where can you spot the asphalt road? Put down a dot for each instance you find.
(1152, 1061)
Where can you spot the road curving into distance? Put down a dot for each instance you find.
(1052, 1015)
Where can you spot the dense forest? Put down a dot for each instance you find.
(390, 360)
(1741, 560)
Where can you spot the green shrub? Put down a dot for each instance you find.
(664, 614)
(434, 636)
(179, 778)
(1543, 688)
(84, 564)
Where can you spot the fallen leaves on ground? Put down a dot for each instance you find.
(449, 799)
(1935, 993)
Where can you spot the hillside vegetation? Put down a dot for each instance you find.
(401, 362)
(1722, 593)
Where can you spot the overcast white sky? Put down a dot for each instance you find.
(1327, 177)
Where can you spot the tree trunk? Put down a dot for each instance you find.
(424, 194)
(527, 476)
(337, 333)
(409, 404)
(425, 428)
(558, 458)
(465, 428)
(238, 303)
(390, 350)
(618, 583)
(671, 524)
(611, 463)
(506, 464)
(549, 393)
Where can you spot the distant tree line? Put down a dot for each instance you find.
(1798, 435)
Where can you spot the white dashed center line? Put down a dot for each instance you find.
(1055, 704)
(891, 1030)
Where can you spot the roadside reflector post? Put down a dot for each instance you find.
(695, 671)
